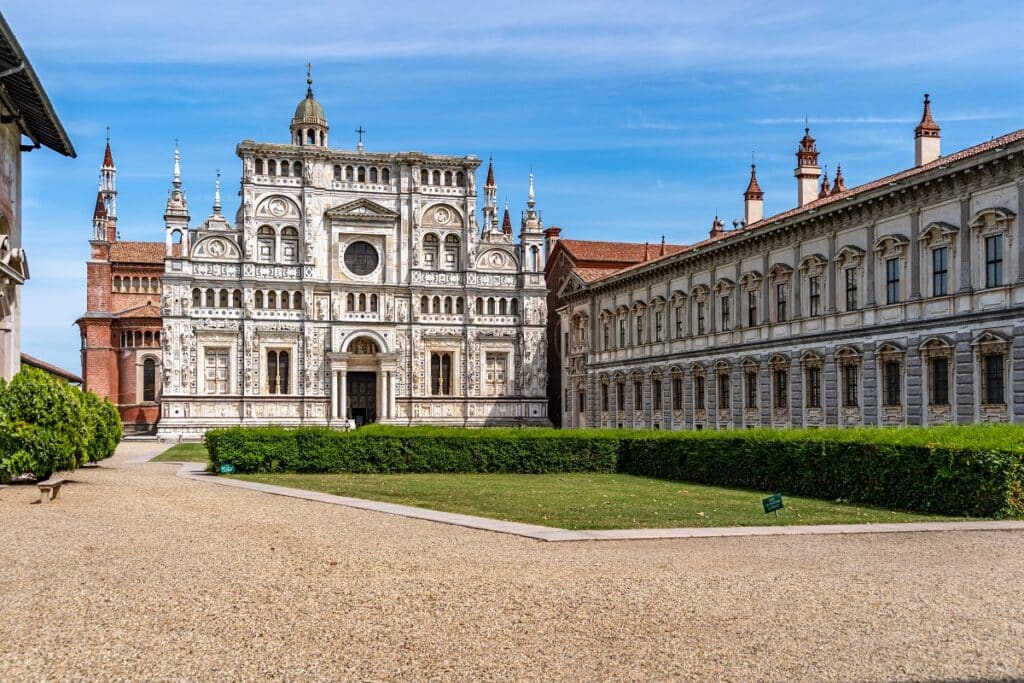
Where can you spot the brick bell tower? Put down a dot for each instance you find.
(99, 360)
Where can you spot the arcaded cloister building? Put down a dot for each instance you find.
(895, 302)
(351, 287)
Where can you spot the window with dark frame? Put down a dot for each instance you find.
(622, 333)
(850, 398)
(700, 317)
(639, 329)
(149, 380)
(892, 393)
(441, 374)
(677, 393)
(620, 395)
(851, 289)
(679, 322)
(940, 271)
(781, 389)
(751, 386)
(638, 394)
(657, 326)
(607, 336)
(277, 372)
(583, 403)
(752, 309)
(698, 392)
(992, 375)
(724, 386)
(892, 280)
(994, 261)
(814, 290)
(656, 393)
(780, 302)
(939, 384)
(814, 387)
(726, 323)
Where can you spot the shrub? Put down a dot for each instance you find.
(47, 425)
(971, 470)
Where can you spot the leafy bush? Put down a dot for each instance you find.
(973, 470)
(47, 425)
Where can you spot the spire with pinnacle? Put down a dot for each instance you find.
(826, 189)
(506, 221)
(531, 218)
(309, 125)
(839, 184)
(216, 195)
(177, 204)
(926, 136)
(104, 217)
(753, 199)
(807, 171)
(490, 199)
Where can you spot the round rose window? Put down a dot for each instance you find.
(361, 258)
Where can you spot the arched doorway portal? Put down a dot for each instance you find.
(362, 390)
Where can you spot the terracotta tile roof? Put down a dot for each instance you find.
(593, 274)
(50, 368)
(147, 310)
(622, 252)
(852, 193)
(138, 252)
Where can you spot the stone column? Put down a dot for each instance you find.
(871, 395)
(1017, 374)
(343, 388)
(392, 409)
(833, 395)
(334, 395)
(963, 376)
(965, 246)
(831, 273)
(914, 254)
(869, 269)
(796, 392)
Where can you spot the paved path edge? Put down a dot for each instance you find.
(196, 472)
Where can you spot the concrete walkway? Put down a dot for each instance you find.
(196, 472)
(134, 573)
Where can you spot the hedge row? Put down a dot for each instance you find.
(47, 425)
(975, 470)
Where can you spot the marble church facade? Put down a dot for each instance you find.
(896, 302)
(351, 287)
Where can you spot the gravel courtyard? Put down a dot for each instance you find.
(134, 573)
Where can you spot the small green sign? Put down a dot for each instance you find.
(228, 468)
(772, 503)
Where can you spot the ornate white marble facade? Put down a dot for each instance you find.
(352, 287)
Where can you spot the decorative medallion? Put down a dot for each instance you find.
(442, 215)
(278, 207)
(216, 248)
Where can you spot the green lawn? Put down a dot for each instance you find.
(585, 501)
(183, 452)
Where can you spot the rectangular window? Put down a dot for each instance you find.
(724, 384)
(781, 390)
(496, 374)
(604, 397)
(441, 374)
(994, 261)
(607, 336)
(657, 326)
(622, 333)
(814, 289)
(639, 330)
(620, 395)
(638, 395)
(277, 372)
(850, 399)
(891, 370)
(698, 392)
(892, 280)
(677, 393)
(940, 271)
(851, 289)
(582, 406)
(726, 321)
(656, 393)
(700, 317)
(780, 302)
(814, 387)
(752, 309)
(939, 384)
(679, 322)
(217, 371)
(993, 377)
(751, 387)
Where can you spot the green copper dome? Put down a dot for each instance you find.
(309, 108)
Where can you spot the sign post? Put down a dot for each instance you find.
(772, 503)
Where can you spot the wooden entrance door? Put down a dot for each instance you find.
(362, 397)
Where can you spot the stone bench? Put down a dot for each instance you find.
(49, 489)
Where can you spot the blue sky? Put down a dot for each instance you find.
(639, 118)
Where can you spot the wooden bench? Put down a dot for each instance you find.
(49, 489)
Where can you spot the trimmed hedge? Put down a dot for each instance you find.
(962, 470)
(47, 425)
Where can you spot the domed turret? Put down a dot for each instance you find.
(309, 125)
